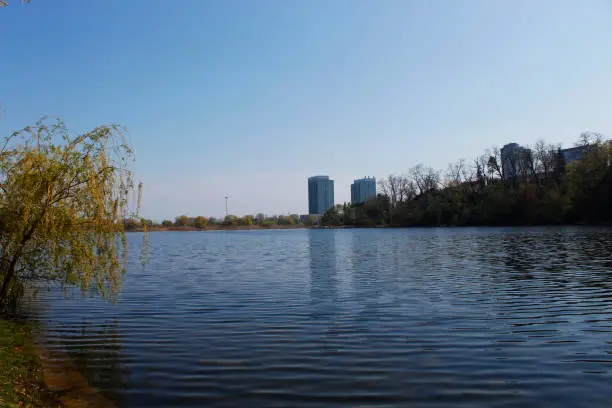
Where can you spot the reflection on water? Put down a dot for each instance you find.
(77, 357)
(322, 262)
(426, 317)
(96, 353)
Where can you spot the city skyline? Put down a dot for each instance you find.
(252, 99)
(511, 157)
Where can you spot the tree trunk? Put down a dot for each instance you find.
(9, 271)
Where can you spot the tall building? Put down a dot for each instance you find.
(320, 194)
(513, 160)
(363, 189)
(574, 153)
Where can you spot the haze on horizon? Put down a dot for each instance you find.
(249, 99)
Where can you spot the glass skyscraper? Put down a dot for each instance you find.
(363, 190)
(320, 194)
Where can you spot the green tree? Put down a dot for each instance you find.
(348, 214)
(284, 220)
(230, 220)
(181, 221)
(311, 220)
(167, 223)
(332, 217)
(200, 222)
(63, 201)
(131, 224)
(589, 183)
(247, 220)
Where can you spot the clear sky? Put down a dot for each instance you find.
(249, 98)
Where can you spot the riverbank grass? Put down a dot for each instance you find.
(21, 377)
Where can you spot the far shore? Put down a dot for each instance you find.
(223, 228)
(252, 227)
(302, 226)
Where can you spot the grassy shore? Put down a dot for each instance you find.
(21, 377)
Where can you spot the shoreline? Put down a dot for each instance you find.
(222, 228)
(62, 378)
(32, 375)
(22, 371)
(295, 227)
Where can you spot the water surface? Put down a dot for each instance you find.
(418, 317)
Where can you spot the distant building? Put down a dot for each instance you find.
(574, 153)
(363, 189)
(512, 161)
(320, 194)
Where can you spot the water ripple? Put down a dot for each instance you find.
(469, 317)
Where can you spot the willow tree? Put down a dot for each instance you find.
(63, 199)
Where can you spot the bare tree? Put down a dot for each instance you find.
(545, 157)
(527, 164)
(408, 189)
(388, 187)
(494, 164)
(590, 138)
(467, 172)
(456, 173)
(425, 179)
(480, 168)
(398, 188)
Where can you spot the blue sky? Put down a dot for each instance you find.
(249, 98)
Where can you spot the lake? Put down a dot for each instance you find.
(474, 317)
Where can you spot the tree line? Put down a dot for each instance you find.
(534, 186)
(201, 222)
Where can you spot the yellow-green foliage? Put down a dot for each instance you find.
(63, 201)
(200, 222)
(247, 220)
(181, 221)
